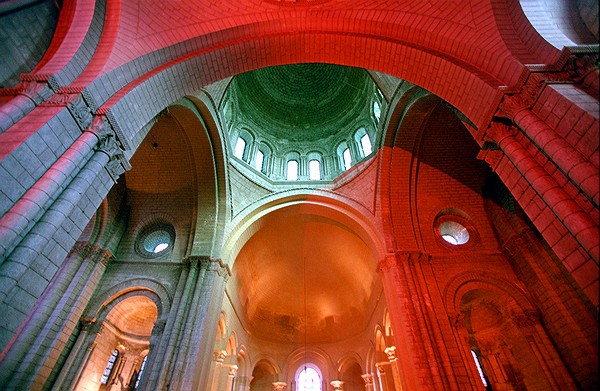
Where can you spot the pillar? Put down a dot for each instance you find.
(242, 383)
(30, 360)
(583, 174)
(414, 332)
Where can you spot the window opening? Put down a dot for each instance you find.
(139, 375)
(377, 110)
(480, 369)
(309, 380)
(260, 157)
(109, 366)
(347, 159)
(454, 233)
(314, 170)
(365, 143)
(292, 170)
(240, 147)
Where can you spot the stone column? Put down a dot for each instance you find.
(582, 173)
(368, 378)
(391, 354)
(242, 383)
(198, 336)
(55, 229)
(55, 315)
(79, 356)
(381, 376)
(419, 366)
(568, 322)
(231, 377)
(279, 386)
(576, 221)
(215, 368)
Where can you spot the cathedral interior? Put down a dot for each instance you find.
(300, 195)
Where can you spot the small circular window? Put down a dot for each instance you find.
(454, 228)
(454, 233)
(155, 240)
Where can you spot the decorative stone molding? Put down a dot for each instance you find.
(279, 385)
(219, 356)
(368, 378)
(159, 327)
(86, 250)
(38, 92)
(337, 385)
(109, 143)
(222, 269)
(80, 110)
(90, 326)
(391, 353)
(527, 318)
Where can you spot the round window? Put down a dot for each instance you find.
(155, 240)
(453, 228)
(454, 233)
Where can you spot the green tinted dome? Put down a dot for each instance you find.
(302, 102)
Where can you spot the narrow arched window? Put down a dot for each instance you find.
(109, 367)
(480, 369)
(309, 379)
(347, 158)
(314, 170)
(260, 157)
(365, 143)
(292, 170)
(376, 110)
(140, 373)
(240, 148)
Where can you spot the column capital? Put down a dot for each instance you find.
(337, 385)
(219, 356)
(368, 378)
(391, 353)
(498, 131)
(279, 385)
(526, 318)
(90, 326)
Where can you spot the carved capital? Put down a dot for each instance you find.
(90, 326)
(391, 353)
(220, 267)
(368, 378)
(387, 263)
(337, 385)
(578, 66)
(525, 99)
(79, 109)
(527, 318)
(80, 249)
(279, 385)
(413, 257)
(219, 356)
(498, 131)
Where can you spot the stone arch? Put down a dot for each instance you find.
(264, 373)
(464, 282)
(196, 113)
(309, 355)
(155, 291)
(336, 207)
(350, 371)
(559, 22)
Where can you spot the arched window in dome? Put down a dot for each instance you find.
(292, 170)
(108, 370)
(240, 148)
(347, 158)
(364, 141)
(377, 110)
(308, 378)
(314, 170)
(258, 162)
